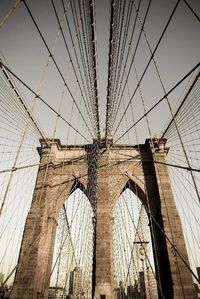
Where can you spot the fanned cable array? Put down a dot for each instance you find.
(182, 133)
(49, 82)
(18, 168)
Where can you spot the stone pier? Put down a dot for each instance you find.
(104, 170)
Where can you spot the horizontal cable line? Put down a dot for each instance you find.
(185, 126)
(43, 101)
(190, 157)
(178, 160)
(32, 138)
(57, 67)
(194, 131)
(15, 141)
(188, 144)
(42, 165)
(178, 157)
(185, 135)
(16, 133)
(27, 146)
(191, 151)
(197, 178)
(158, 102)
(177, 166)
(18, 168)
(190, 122)
(186, 121)
(28, 157)
(6, 151)
(158, 162)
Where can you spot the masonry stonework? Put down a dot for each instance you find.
(103, 171)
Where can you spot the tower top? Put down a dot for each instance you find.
(105, 140)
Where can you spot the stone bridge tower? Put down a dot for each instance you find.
(103, 170)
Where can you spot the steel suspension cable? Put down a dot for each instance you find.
(181, 104)
(73, 66)
(173, 118)
(42, 100)
(122, 50)
(12, 85)
(56, 65)
(80, 47)
(192, 10)
(147, 66)
(159, 101)
(88, 30)
(111, 44)
(94, 64)
(118, 96)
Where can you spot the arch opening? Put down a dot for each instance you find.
(73, 250)
(134, 268)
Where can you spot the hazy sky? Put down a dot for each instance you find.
(26, 55)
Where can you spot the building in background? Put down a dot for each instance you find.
(78, 287)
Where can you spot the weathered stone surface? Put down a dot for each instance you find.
(102, 173)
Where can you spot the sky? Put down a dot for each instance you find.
(23, 51)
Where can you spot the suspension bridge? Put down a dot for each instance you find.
(99, 149)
